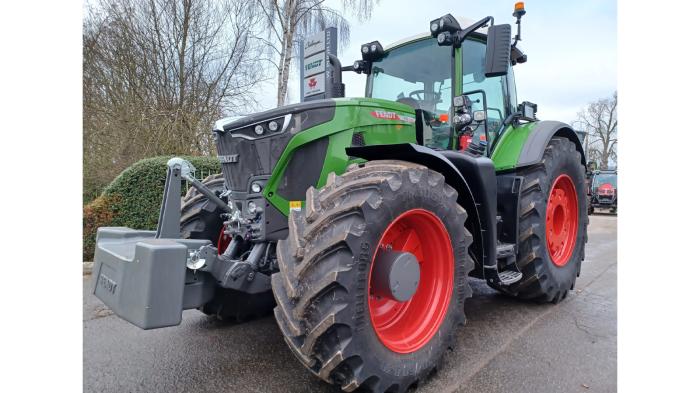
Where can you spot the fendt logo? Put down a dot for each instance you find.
(312, 83)
(108, 284)
(392, 116)
(313, 64)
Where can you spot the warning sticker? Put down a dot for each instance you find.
(294, 206)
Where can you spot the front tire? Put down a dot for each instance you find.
(553, 224)
(327, 308)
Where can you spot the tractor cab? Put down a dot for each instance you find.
(427, 75)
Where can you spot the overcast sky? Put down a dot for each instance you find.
(571, 47)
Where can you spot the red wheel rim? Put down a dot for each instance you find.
(562, 220)
(223, 242)
(405, 327)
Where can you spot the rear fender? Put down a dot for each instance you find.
(523, 145)
(533, 149)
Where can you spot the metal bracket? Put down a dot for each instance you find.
(170, 206)
(236, 274)
(169, 217)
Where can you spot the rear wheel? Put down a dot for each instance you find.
(553, 224)
(373, 276)
(201, 219)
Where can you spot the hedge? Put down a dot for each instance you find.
(133, 198)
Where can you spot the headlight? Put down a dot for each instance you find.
(262, 129)
(256, 187)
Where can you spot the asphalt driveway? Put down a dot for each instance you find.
(507, 345)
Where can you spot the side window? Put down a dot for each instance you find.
(473, 65)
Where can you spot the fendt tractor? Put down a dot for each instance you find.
(358, 221)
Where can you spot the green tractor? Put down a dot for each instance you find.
(360, 220)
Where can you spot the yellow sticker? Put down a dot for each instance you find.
(294, 205)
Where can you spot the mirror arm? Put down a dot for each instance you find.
(462, 34)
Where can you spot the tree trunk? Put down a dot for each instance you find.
(284, 66)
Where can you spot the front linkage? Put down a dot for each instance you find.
(134, 273)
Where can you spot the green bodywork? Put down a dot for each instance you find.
(509, 146)
(380, 122)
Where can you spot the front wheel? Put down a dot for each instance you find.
(553, 224)
(373, 276)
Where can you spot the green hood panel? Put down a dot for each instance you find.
(366, 121)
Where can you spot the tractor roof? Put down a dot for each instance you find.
(463, 22)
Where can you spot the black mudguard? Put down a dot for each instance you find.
(474, 178)
(537, 141)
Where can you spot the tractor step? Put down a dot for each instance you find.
(505, 250)
(509, 277)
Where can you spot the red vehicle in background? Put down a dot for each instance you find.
(604, 190)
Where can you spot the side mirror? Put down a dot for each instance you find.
(497, 50)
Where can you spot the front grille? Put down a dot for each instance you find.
(254, 157)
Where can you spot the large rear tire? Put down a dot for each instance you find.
(328, 305)
(553, 224)
(201, 219)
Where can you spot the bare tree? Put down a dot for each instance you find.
(288, 21)
(600, 121)
(158, 73)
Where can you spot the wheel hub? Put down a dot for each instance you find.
(413, 261)
(395, 275)
(562, 220)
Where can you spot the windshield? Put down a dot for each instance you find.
(603, 178)
(419, 75)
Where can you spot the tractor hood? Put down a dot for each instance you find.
(289, 149)
(317, 112)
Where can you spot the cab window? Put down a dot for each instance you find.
(473, 65)
(418, 74)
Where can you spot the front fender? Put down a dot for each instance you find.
(473, 178)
